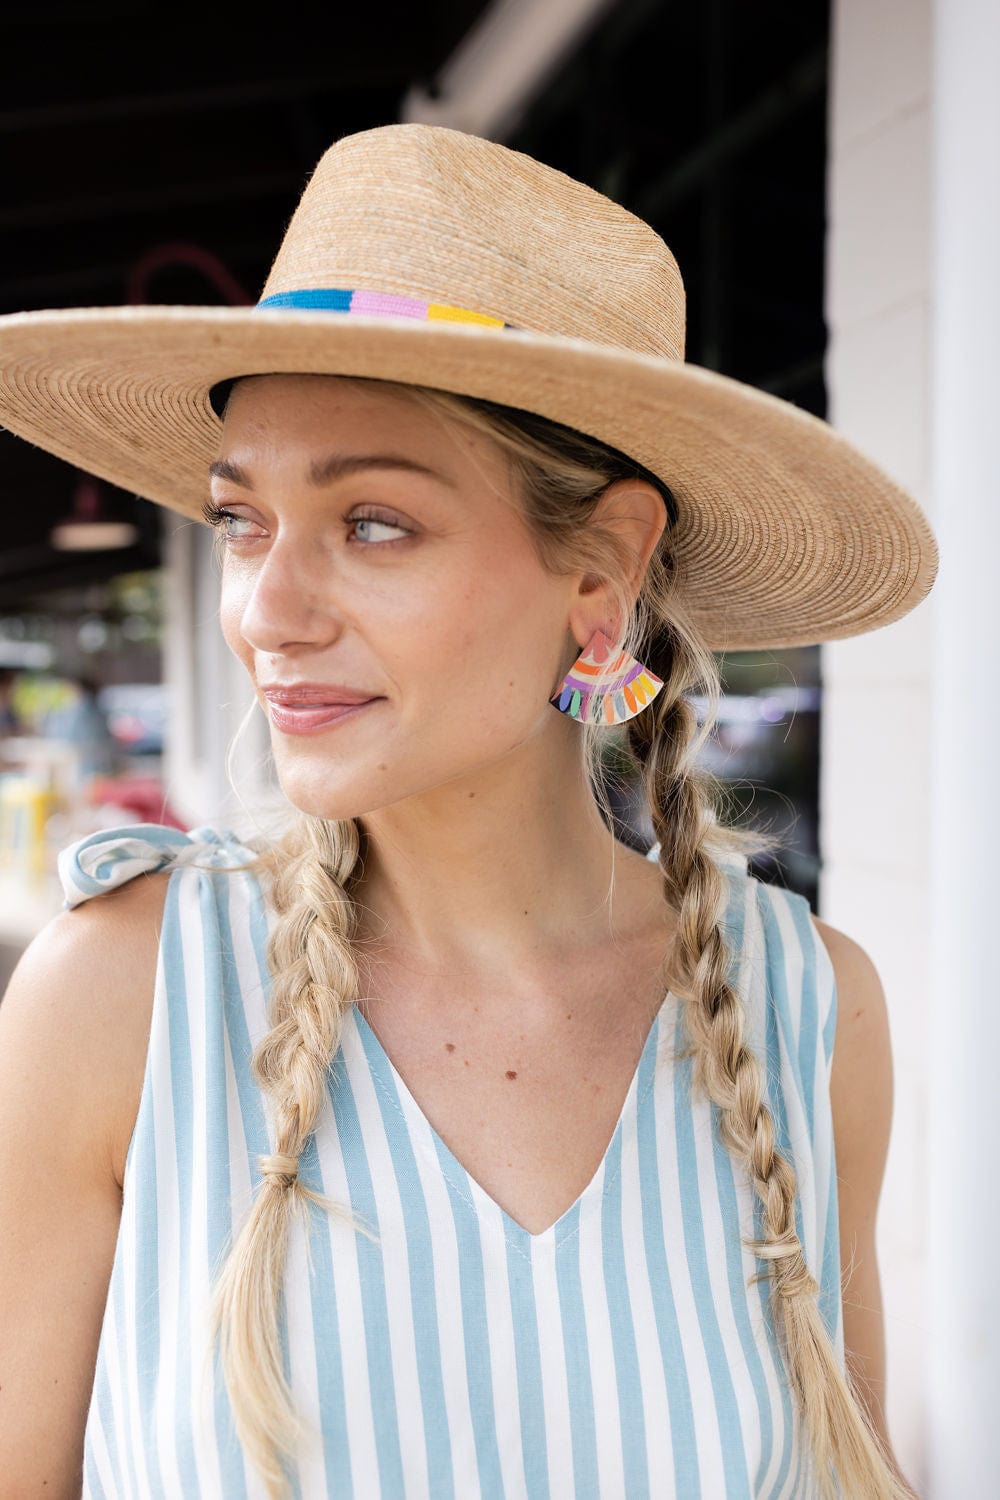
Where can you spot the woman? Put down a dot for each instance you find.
(446, 1145)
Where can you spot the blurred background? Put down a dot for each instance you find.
(826, 175)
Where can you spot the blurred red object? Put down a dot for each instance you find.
(142, 795)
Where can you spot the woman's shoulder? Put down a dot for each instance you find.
(90, 973)
(81, 995)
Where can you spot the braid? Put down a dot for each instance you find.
(314, 981)
(663, 741)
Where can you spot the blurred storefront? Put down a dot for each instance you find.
(83, 723)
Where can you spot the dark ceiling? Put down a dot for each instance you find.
(128, 129)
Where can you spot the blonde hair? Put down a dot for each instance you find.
(557, 479)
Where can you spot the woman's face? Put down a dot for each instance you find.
(416, 585)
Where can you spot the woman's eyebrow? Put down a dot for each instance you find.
(336, 466)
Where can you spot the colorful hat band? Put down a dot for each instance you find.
(377, 305)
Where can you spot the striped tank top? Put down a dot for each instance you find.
(621, 1354)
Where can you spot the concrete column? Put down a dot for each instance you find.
(963, 1368)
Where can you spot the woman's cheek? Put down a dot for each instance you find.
(230, 615)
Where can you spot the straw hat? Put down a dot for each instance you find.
(422, 254)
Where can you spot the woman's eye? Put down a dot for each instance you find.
(227, 516)
(220, 517)
(377, 522)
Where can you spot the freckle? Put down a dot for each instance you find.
(569, 1015)
(510, 1073)
(471, 795)
(466, 1062)
(595, 1088)
(449, 1046)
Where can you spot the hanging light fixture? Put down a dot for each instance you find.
(88, 528)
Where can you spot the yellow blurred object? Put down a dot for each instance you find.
(26, 803)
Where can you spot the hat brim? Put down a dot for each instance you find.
(787, 535)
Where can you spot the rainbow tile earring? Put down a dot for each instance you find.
(621, 685)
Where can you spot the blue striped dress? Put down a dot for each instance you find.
(620, 1354)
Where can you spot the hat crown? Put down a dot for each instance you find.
(432, 213)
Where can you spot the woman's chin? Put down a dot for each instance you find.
(316, 792)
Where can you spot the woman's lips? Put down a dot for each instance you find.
(306, 720)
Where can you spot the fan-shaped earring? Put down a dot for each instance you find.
(622, 686)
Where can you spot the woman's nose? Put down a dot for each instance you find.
(290, 601)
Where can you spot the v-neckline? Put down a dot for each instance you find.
(486, 1206)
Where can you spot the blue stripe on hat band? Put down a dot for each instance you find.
(332, 299)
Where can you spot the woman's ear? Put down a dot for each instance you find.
(634, 509)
